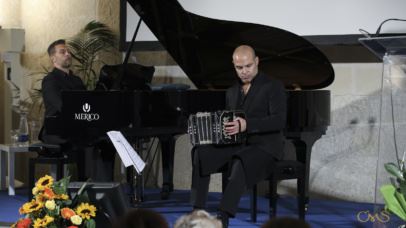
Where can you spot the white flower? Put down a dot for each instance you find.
(50, 205)
(76, 220)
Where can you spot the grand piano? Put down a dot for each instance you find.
(202, 47)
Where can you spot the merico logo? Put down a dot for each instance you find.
(86, 115)
(86, 107)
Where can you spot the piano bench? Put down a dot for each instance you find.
(56, 158)
(283, 170)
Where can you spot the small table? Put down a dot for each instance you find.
(11, 150)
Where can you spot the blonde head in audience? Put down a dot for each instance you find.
(198, 219)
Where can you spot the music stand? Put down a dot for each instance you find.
(392, 120)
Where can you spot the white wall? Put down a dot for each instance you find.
(312, 17)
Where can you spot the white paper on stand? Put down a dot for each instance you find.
(127, 153)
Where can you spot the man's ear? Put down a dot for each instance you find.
(52, 59)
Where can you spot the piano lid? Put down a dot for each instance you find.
(203, 47)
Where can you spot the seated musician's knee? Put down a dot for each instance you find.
(237, 171)
(196, 156)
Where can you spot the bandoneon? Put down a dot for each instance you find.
(208, 128)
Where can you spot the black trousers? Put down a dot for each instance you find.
(236, 184)
(243, 165)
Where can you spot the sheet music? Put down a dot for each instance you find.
(127, 153)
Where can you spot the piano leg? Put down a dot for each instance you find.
(168, 154)
(304, 145)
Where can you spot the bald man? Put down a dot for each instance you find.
(263, 101)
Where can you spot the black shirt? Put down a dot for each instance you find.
(242, 96)
(52, 86)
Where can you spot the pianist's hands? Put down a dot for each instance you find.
(236, 126)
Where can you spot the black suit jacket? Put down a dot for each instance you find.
(52, 86)
(265, 113)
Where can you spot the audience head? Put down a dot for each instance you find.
(141, 218)
(198, 219)
(285, 222)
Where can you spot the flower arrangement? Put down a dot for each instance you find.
(51, 207)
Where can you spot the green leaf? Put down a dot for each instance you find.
(86, 45)
(402, 187)
(67, 202)
(401, 199)
(391, 202)
(90, 223)
(52, 213)
(61, 186)
(394, 170)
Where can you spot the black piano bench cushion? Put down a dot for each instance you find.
(46, 150)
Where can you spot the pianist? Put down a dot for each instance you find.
(60, 78)
(264, 102)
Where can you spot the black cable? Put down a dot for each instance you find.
(383, 22)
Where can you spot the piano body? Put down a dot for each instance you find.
(203, 47)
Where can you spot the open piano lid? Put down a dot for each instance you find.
(203, 47)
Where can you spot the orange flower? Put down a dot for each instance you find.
(66, 213)
(23, 223)
(48, 193)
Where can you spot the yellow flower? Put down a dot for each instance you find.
(30, 207)
(35, 191)
(40, 198)
(43, 222)
(43, 182)
(86, 210)
(76, 220)
(61, 196)
(50, 205)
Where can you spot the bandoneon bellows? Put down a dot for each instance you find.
(208, 128)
